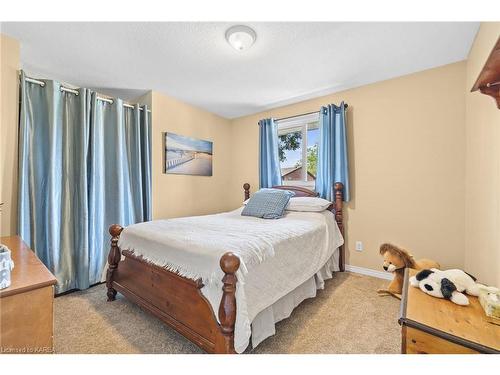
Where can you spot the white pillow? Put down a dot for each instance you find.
(308, 204)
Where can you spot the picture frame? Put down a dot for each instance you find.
(187, 155)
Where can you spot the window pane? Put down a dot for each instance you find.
(312, 153)
(290, 153)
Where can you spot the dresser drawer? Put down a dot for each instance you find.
(418, 342)
(27, 321)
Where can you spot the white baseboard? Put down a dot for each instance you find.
(369, 272)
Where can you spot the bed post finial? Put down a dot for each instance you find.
(246, 187)
(113, 259)
(227, 309)
(339, 218)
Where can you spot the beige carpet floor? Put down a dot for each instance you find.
(346, 317)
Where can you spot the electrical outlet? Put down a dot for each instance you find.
(359, 246)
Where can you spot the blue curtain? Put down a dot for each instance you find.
(83, 165)
(119, 155)
(332, 153)
(269, 164)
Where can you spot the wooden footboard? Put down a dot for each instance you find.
(174, 299)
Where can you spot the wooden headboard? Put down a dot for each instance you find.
(336, 207)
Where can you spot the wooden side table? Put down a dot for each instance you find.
(27, 305)
(438, 326)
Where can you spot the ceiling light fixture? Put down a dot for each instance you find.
(240, 37)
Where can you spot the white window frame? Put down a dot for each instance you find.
(302, 122)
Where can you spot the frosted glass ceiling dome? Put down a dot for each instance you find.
(241, 37)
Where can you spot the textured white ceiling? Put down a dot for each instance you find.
(192, 61)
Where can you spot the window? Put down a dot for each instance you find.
(298, 147)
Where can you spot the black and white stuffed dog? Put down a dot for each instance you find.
(449, 284)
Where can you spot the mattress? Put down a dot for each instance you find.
(277, 256)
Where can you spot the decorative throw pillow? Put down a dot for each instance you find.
(267, 203)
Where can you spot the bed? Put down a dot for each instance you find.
(227, 298)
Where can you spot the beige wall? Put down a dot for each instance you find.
(406, 150)
(181, 195)
(9, 58)
(482, 236)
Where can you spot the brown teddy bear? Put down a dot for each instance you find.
(395, 261)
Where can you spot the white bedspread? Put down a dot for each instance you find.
(276, 255)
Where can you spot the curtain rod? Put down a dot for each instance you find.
(73, 91)
(302, 114)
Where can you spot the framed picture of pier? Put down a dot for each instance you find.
(186, 155)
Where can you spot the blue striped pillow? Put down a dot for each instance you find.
(268, 203)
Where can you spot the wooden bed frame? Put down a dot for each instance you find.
(177, 300)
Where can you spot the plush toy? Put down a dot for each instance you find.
(395, 261)
(449, 284)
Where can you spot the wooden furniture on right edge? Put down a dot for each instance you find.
(431, 325)
(27, 305)
(488, 82)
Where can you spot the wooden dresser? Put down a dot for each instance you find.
(27, 305)
(437, 326)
